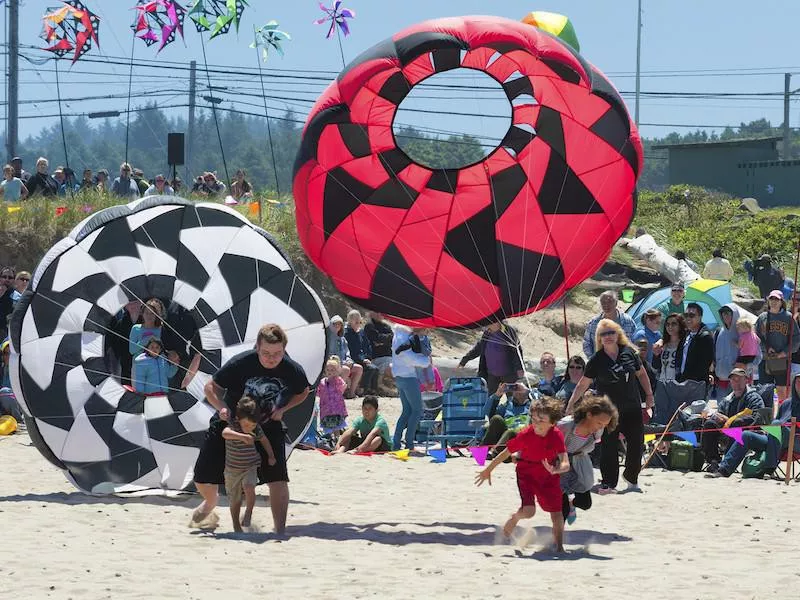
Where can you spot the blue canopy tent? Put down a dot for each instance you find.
(711, 295)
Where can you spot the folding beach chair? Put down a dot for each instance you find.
(794, 466)
(464, 406)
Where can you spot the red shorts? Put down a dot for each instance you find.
(545, 489)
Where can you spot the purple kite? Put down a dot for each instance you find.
(157, 21)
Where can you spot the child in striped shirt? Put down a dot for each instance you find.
(242, 460)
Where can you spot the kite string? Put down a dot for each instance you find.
(341, 50)
(63, 131)
(214, 111)
(269, 127)
(128, 112)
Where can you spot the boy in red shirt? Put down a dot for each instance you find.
(541, 456)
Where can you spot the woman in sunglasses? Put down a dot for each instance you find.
(7, 290)
(572, 377)
(615, 369)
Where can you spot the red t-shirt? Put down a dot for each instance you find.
(533, 449)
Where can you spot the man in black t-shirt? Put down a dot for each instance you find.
(277, 384)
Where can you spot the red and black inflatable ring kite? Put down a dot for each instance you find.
(503, 237)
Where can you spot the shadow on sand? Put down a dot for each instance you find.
(174, 499)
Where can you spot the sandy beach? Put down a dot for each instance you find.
(376, 527)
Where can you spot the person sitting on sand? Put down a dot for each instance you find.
(506, 419)
(542, 458)
(242, 460)
(368, 433)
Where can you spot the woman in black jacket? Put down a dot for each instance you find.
(40, 183)
(500, 356)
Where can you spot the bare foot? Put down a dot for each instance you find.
(237, 528)
(246, 520)
(508, 528)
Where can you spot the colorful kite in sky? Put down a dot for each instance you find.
(217, 16)
(157, 21)
(70, 28)
(268, 37)
(337, 16)
(559, 25)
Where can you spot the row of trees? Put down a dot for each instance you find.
(244, 141)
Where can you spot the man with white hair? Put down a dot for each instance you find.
(608, 305)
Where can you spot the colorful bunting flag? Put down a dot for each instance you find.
(479, 453)
(650, 437)
(87, 208)
(254, 209)
(400, 455)
(688, 436)
(438, 456)
(735, 433)
(60, 210)
(13, 209)
(774, 431)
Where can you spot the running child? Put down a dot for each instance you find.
(541, 456)
(242, 459)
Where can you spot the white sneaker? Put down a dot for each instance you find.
(632, 487)
(604, 490)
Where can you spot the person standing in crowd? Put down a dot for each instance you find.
(277, 384)
(21, 282)
(102, 182)
(141, 183)
(404, 365)
(241, 188)
(152, 318)
(12, 189)
(696, 351)
(570, 380)
(665, 352)
(7, 290)
(617, 372)
(350, 371)
(19, 172)
(718, 268)
(608, 305)
(358, 344)
(159, 188)
(379, 333)
(726, 345)
(582, 430)
(773, 328)
(87, 183)
(675, 304)
(766, 275)
(332, 408)
(176, 184)
(123, 186)
(60, 180)
(499, 354)
(40, 183)
(651, 331)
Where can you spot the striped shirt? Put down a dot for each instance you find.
(240, 456)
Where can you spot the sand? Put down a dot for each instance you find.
(376, 527)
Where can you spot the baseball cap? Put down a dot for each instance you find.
(678, 287)
(740, 372)
(336, 319)
(16, 159)
(776, 294)
(4, 345)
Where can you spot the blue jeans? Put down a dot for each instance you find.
(753, 440)
(411, 398)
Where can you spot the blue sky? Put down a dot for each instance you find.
(754, 48)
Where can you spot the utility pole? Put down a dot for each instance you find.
(12, 127)
(190, 132)
(787, 131)
(638, 60)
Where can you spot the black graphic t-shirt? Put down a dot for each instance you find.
(244, 375)
(616, 378)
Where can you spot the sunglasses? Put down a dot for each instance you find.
(607, 333)
(690, 316)
(23, 278)
(579, 367)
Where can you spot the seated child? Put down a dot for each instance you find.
(368, 433)
(152, 370)
(332, 409)
(242, 459)
(748, 348)
(541, 458)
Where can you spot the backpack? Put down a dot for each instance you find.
(754, 466)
